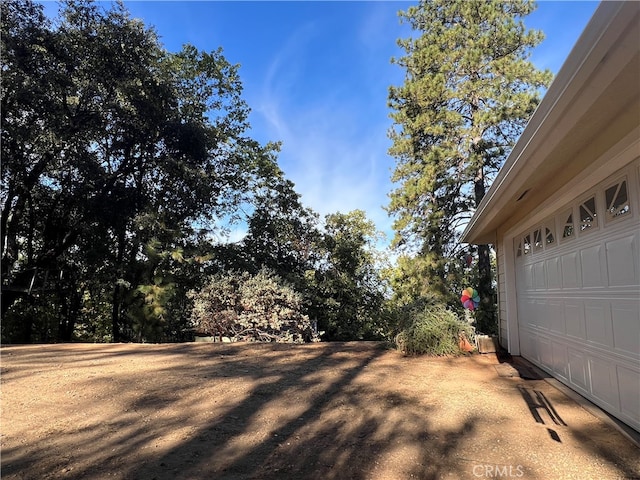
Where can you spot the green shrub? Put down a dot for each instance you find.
(435, 330)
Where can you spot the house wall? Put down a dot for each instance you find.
(502, 297)
(507, 299)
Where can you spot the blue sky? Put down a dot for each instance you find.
(316, 76)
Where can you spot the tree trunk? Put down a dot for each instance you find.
(68, 321)
(485, 318)
(115, 311)
(115, 314)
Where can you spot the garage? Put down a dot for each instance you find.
(564, 217)
(577, 283)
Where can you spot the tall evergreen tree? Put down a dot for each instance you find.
(469, 90)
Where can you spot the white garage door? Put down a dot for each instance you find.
(578, 292)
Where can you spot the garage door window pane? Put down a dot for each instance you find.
(588, 215)
(537, 240)
(549, 237)
(567, 231)
(617, 200)
(527, 244)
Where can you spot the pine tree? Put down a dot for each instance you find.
(469, 90)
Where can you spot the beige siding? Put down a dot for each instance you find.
(502, 303)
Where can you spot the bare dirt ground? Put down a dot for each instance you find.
(271, 411)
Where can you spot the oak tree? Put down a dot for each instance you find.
(110, 143)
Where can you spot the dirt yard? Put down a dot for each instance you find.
(271, 411)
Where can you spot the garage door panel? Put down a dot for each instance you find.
(556, 316)
(629, 381)
(603, 380)
(570, 271)
(560, 359)
(527, 313)
(597, 315)
(578, 369)
(591, 261)
(542, 314)
(574, 319)
(527, 346)
(528, 277)
(545, 355)
(626, 326)
(554, 273)
(539, 278)
(622, 262)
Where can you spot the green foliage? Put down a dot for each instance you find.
(119, 162)
(148, 312)
(121, 159)
(433, 330)
(334, 267)
(334, 272)
(94, 321)
(247, 307)
(468, 92)
(413, 277)
(283, 235)
(109, 144)
(35, 314)
(346, 287)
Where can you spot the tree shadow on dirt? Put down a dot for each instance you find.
(595, 442)
(330, 434)
(52, 356)
(226, 413)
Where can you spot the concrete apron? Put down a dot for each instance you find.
(526, 370)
